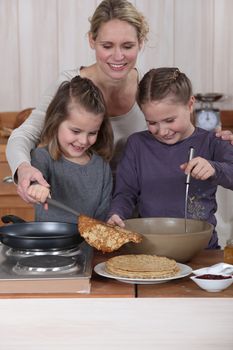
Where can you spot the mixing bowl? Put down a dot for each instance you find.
(167, 237)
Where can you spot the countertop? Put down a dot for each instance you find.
(185, 287)
(174, 315)
(102, 287)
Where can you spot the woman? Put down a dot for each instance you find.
(117, 33)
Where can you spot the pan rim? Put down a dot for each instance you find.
(4, 230)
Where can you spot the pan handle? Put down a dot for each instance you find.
(7, 219)
(60, 205)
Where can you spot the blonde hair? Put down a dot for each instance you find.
(122, 10)
(80, 91)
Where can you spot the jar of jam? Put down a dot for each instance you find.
(228, 252)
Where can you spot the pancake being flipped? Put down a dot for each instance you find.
(142, 266)
(103, 236)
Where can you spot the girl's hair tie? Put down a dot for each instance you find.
(175, 74)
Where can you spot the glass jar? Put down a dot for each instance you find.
(228, 252)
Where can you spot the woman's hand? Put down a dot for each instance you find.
(27, 174)
(225, 135)
(199, 168)
(116, 220)
(38, 192)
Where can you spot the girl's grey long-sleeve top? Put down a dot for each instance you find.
(85, 188)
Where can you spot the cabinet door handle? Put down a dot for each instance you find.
(8, 179)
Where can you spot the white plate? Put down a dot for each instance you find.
(185, 270)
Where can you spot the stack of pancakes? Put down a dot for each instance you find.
(142, 266)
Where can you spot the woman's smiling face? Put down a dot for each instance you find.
(167, 121)
(116, 48)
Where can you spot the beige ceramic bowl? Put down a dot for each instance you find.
(167, 237)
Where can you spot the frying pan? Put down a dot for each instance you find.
(38, 235)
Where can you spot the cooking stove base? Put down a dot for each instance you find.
(74, 280)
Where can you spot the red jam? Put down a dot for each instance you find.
(213, 277)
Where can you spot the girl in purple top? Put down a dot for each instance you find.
(153, 169)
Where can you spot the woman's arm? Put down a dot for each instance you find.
(21, 142)
(27, 136)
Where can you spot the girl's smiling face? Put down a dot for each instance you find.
(117, 47)
(78, 133)
(167, 121)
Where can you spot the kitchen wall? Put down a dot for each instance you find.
(40, 38)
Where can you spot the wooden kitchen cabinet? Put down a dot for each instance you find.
(10, 201)
(227, 119)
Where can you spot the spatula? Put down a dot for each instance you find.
(62, 206)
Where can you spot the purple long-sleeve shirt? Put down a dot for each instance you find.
(149, 175)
